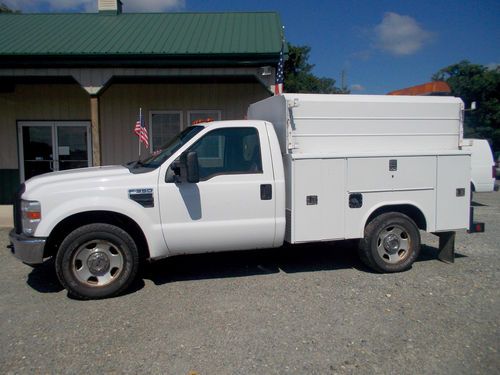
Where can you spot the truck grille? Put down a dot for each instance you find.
(17, 209)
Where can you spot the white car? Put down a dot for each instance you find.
(482, 165)
(498, 165)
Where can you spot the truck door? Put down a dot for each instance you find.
(232, 207)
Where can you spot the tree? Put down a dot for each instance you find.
(299, 76)
(5, 9)
(480, 84)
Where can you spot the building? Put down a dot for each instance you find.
(434, 88)
(71, 85)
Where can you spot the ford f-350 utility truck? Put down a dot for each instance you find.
(301, 168)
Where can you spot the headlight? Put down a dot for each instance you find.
(31, 212)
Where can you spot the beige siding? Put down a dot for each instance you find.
(121, 102)
(37, 102)
(119, 107)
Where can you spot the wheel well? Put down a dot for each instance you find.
(412, 212)
(72, 222)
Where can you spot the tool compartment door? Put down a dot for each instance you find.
(318, 196)
(452, 204)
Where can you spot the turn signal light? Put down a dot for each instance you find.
(33, 215)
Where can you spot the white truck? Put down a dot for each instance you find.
(301, 168)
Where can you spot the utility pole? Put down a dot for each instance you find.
(342, 80)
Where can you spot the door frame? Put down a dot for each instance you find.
(55, 146)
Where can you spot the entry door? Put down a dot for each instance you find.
(46, 146)
(233, 205)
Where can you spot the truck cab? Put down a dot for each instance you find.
(216, 186)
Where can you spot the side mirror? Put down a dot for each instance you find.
(188, 163)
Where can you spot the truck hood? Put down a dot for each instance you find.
(96, 176)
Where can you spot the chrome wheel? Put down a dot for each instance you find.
(97, 263)
(393, 244)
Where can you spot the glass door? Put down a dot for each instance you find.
(72, 147)
(46, 146)
(38, 150)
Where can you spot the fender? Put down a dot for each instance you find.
(394, 203)
(146, 218)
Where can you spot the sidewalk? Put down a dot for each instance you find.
(6, 220)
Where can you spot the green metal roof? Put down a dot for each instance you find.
(243, 36)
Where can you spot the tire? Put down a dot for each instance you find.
(97, 261)
(391, 243)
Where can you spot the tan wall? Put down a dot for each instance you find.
(37, 102)
(121, 102)
(119, 107)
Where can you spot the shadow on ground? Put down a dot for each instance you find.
(289, 259)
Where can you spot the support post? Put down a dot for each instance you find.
(96, 136)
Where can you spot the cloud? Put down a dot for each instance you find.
(91, 5)
(357, 87)
(492, 66)
(400, 35)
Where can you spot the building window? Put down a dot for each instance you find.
(163, 127)
(197, 115)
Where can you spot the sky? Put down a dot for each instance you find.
(380, 45)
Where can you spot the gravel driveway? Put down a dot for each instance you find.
(304, 310)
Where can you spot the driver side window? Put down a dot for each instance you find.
(228, 151)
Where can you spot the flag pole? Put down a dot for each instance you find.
(139, 138)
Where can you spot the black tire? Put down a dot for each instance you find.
(391, 243)
(97, 261)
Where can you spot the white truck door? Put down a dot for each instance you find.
(232, 207)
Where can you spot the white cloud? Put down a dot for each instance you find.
(357, 87)
(91, 5)
(492, 66)
(400, 35)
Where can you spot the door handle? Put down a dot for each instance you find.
(266, 192)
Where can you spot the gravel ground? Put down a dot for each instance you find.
(305, 310)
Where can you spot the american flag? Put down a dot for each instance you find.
(141, 131)
(280, 76)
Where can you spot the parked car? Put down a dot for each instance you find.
(497, 158)
(483, 168)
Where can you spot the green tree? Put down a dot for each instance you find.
(299, 76)
(476, 83)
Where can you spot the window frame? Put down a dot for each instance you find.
(162, 112)
(261, 171)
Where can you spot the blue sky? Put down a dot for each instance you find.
(382, 45)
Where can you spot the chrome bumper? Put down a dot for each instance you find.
(27, 249)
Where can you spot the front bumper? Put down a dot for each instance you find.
(28, 249)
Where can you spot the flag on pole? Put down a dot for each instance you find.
(141, 131)
(280, 76)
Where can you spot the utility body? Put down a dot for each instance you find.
(301, 168)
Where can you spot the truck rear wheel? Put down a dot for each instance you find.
(391, 243)
(97, 261)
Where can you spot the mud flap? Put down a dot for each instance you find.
(446, 246)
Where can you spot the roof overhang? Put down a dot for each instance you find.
(143, 61)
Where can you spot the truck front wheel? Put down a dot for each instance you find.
(97, 261)
(391, 243)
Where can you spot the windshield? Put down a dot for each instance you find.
(164, 152)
